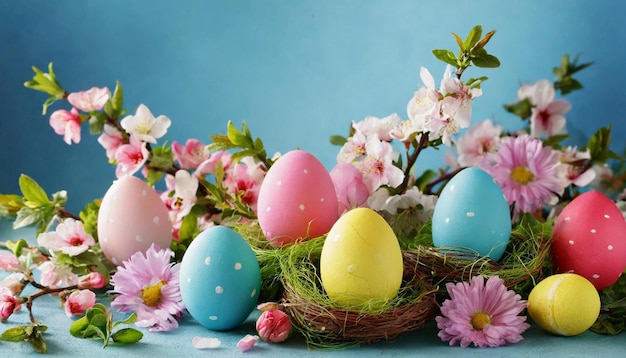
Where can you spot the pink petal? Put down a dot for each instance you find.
(205, 342)
(247, 342)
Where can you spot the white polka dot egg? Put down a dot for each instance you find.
(297, 199)
(131, 218)
(472, 213)
(589, 239)
(220, 279)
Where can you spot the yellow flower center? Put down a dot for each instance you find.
(479, 320)
(522, 175)
(152, 294)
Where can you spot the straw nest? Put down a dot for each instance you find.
(325, 325)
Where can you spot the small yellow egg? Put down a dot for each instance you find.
(565, 304)
(361, 260)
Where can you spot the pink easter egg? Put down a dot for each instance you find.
(297, 199)
(131, 218)
(589, 239)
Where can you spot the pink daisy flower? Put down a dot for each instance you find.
(528, 173)
(482, 314)
(149, 286)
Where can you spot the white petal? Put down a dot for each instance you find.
(205, 342)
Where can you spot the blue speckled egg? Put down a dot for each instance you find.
(220, 278)
(473, 213)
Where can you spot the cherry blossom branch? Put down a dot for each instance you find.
(442, 178)
(411, 159)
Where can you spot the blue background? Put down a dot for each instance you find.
(296, 71)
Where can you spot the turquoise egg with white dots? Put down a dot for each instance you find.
(472, 213)
(220, 279)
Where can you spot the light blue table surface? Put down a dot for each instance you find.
(420, 343)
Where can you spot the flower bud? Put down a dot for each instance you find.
(273, 326)
(92, 280)
(8, 304)
(78, 302)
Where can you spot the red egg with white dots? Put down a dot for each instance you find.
(297, 199)
(589, 239)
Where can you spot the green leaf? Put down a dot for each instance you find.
(522, 109)
(459, 41)
(127, 335)
(338, 140)
(91, 331)
(15, 334)
(27, 216)
(117, 101)
(77, 328)
(446, 56)
(485, 60)
(129, 320)
(46, 82)
(555, 140)
(473, 37)
(235, 136)
(32, 191)
(17, 246)
(425, 178)
(483, 42)
(96, 122)
(89, 217)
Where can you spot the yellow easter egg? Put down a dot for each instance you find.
(361, 260)
(565, 304)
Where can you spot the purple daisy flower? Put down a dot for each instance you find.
(483, 314)
(528, 173)
(149, 286)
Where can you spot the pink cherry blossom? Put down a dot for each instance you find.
(273, 326)
(209, 166)
(15, 282)
(425, 99)
(574, 163)
(90, 100)
(111, 139)
(56, 275)
(353, 149)
(548, 114)
(131, 157)
(66, 124)
(351, 190)
(457, 99)
(480, 140)
(8, 261)
(377, 167)
(245, 180)
(69, 237)
(144, 126)
(380, 127)
(78, 302)
(191, 154)
(9, 304)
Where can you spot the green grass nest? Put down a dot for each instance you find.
(290, 275)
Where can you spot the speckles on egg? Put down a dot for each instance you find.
(351, 268)
(595, 223)
(220, 271)
(132, 217)
(472, 212)
(298, 189)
